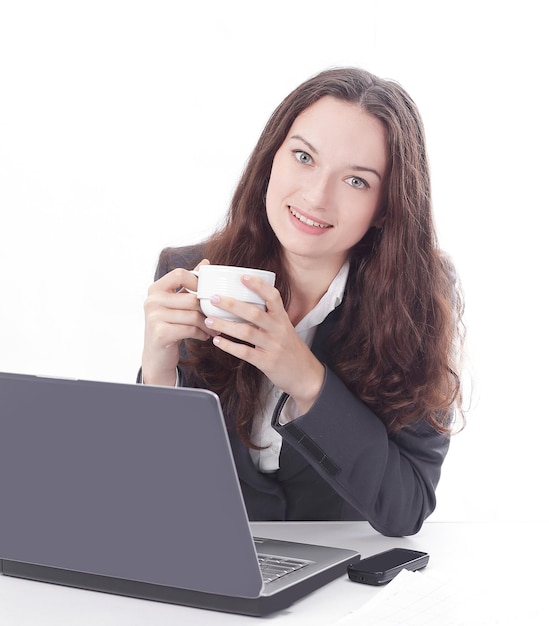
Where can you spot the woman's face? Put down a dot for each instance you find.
(326, 181)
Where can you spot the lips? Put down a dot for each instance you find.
(307, 220)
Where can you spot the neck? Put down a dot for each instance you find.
(309, 281)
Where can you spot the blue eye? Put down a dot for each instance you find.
(303, 157)
(357, 183)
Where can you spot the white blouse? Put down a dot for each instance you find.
(263, 434)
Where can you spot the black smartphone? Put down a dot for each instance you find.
(384, 566)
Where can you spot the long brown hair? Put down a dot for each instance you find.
(397, 342)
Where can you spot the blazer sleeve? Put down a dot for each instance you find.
(390, 480)
(186, 257)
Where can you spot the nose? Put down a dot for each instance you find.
(318, 191)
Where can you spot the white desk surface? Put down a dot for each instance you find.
(501, 569)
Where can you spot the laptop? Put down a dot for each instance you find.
(132, 489)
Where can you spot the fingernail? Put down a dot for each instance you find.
(209, 322)
(246, 278)
(215, 299)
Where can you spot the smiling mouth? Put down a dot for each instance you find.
(306, 220)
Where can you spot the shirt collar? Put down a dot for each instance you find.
(329, 301)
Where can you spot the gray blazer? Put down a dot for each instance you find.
(337, 460)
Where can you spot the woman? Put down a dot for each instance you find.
(339, 397)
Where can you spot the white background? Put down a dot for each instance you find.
(124, 127)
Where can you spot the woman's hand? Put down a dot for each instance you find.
(171, 315)
(276, 349)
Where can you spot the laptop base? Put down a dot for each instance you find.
(262, 605)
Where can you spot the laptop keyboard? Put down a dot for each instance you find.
(274, 567)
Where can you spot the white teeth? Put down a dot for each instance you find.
(306, 220)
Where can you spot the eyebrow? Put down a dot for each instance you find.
(358, 168)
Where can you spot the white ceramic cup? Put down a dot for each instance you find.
(225, 280)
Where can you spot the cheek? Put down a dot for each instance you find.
(359, 219)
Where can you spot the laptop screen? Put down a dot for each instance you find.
(128, 481)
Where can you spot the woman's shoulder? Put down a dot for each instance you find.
(187, 257)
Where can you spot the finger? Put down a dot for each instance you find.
(242, 332)
(165, 334)
(183, 317)
(169, 334)
(180, 301)
(270, 294)
(181, 309)
(203, 262)
(251, 313)
(173, 281)
(241, 351)
(191, 319)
